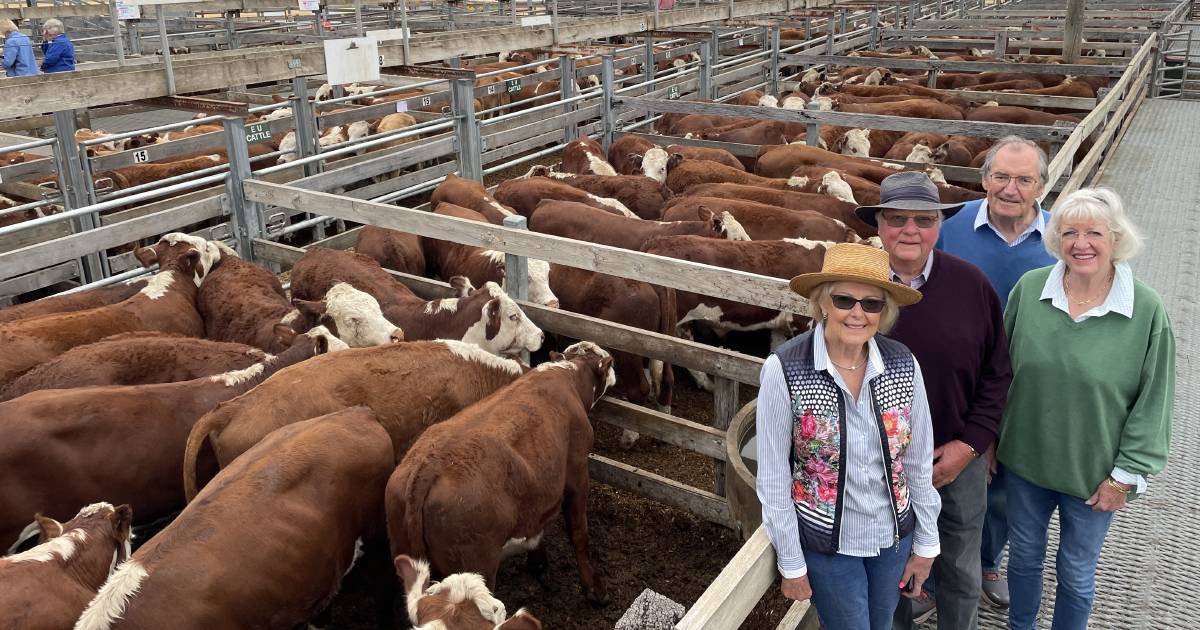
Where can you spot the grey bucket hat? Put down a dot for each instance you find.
(907, 190)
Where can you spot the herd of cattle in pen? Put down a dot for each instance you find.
(283, 437)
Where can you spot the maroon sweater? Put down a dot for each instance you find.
(957, 334)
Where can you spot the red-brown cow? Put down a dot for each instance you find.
(631, 155)
(916, 146)
(644, 196)
(139, 358)
(461, 601)
(470, 194)
(1018, 115)
(51, 584)
(71, 302)
(501, 469)
(782, 161)
(524, 194)
(268, 543)
(481, 266)
(49, 431)
(692, 172)
(826, 205)
(721, 156)
(392, 249)
(585, 157)
(763, 222)
(486, 317)
(960, 150)
(577, 221)
(409, 386)
(166, 304)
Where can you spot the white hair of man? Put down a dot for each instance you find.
(53, 27)
(1095, 204)
(1010, 141)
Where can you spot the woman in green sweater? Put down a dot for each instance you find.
(1089, 410)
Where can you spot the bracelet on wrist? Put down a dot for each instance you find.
(1119, 487)
(974, 453)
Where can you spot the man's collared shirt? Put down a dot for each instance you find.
(1038, 225)
(920, 279)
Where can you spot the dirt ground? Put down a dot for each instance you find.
(637, 543)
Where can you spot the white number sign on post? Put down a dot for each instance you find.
(352, 60)
(310, 5)
(126, 11)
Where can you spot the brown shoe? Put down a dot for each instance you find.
(995, 590)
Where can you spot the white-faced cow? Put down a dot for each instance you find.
(459, 602)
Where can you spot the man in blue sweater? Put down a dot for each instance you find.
(57, 50)
(956, 332)
(1002, 235)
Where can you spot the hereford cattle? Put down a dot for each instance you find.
(71, 302)
(644, 196)
(1018, 84)
(49, 431)
(721, 156)
(826, 89)
(470, 194)
(684, 124)
(960, 150)
(826, 205)
(835, 183)
(523, 195)
(327, 476)
(138, 174)
(756, 97)
(779, 259)
(486, 317)
(631, 155)
(764, 222)
(166, 304)
(782, 161)
(904, 147)
(572, 220)
(410, 386)
(51, 584)
(139, 358)
(481, 266)
(911, 108)
(762, 132)
(1018, 115)
(461, 600)
(501, 469)
(867, 143)
(585, 157)
(690, 173)
(392, 249)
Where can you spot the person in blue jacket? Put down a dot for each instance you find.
(57, 49)
(18, 51)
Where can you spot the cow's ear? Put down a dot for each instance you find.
(146, 256)
(706, 214)
(556, 356)
(491, 315)
(320, 344)
(191, 262)
(411, 574)
(314, 309)
(461, 285)
(284, 334)
(47, 528)
(122, 521)
(674, 161)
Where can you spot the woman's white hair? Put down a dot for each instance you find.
(1095, 204)
(53, 26)
(7, 26)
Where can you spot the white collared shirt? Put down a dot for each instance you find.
(920, 279)
(866, 527)
(1038, 225)
(1120, 301)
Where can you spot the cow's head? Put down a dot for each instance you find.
(462, 598)
(726, 224)
(857, 142)
(352, 315)
(920, 153)
(794, 102)
(766, 100)
(833, 185)
(596, 360)
(503, 328)
(95, 524)
(323, 339)
(172, 248)
(656, 163)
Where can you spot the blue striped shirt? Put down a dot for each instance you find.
(867, 525)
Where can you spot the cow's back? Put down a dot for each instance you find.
(780, 259)
(72, 302)
(135, 359)
(321, 268)
(237, 298)
(255, 554)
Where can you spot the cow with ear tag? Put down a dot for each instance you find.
(527, 447)
(351, 315)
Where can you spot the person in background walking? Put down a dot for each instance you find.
(57, 50)
(1002, 235)
(845, 448)
(1089, 410)
(956, 332)
(18, 51)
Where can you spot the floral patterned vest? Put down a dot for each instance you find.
(819, 437)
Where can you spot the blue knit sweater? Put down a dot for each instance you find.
(1003, 265)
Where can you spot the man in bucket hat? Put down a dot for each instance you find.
(957, 334)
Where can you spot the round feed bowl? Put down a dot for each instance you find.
(739, 481)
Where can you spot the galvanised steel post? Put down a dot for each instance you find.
(648, 65)
(466, 129)
(74, 184)
(606, 99)
(705, 87)
(774, 61)
(831, 35)
(812, 135)
(567, 89)
(306, 137)
(248, 223)
(874, 43)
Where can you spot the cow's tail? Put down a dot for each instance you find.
(416, 492)
(668, 316)
(208, 423)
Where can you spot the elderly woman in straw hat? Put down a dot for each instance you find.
(1089, 411)
(845, 448)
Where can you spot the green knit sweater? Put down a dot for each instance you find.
(1086, 396)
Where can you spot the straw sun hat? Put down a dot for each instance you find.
(850, 262)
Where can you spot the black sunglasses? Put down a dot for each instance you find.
(923, 221)
(847, 302)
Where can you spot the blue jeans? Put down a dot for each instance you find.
(1081, 535)
(853, 593)
(995, 524)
